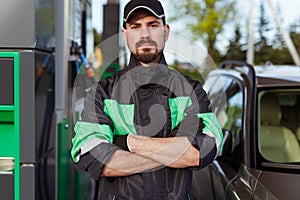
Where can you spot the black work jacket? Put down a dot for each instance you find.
(141, 88)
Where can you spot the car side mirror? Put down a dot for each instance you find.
(227, 143)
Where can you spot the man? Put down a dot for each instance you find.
(145, 128)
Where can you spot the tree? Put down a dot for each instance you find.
(234, 49)
(263, 28)
(205, 19)
(278, 41)
(295, 34)
(262, 47)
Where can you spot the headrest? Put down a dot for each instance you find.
(270, 110)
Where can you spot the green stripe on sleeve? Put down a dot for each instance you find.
(122, 116)
(86, 133)
(177, 107)
(212, 128)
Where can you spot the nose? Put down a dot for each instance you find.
(145, 32)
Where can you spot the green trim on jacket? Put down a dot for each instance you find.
(122, 117)
(177, 107)
(87, 136)
(213, 128)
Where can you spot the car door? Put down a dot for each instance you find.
(224, 178)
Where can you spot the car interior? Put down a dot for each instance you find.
(278, 130)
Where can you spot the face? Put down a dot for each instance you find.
(145, 37)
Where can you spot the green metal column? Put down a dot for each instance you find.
(63, 160)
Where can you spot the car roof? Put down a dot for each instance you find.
(261, 76)
(277, 75)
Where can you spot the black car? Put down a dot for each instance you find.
(259, 110)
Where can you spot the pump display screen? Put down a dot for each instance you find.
(6, 81)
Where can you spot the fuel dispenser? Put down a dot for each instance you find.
(31, 154)
(27, 151)
(9, 126)
(34, 139)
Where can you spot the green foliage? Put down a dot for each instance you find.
(205, 19)
(192, 72)
(274, 51)
(234, 50)
(265, 53)
(267, 49)
(296, 38)
(263, 28)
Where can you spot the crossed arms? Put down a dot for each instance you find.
(177, 150)
(188, 146)
(149, 153)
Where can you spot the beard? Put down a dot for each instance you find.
(147, 55)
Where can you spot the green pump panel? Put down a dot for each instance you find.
(9, 125)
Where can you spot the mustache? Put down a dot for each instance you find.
(148, 41)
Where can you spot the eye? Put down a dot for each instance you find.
(154, 25)
(134, 27)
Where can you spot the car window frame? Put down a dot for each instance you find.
(262, 162)
(243, 92)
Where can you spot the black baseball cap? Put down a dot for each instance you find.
(154, 6)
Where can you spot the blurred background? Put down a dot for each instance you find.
(255, 31)
(53, 51)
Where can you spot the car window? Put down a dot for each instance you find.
(234, 109)
(227, 103)
(279, 129)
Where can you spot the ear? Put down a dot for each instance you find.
(166, 31)
(124, 36)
